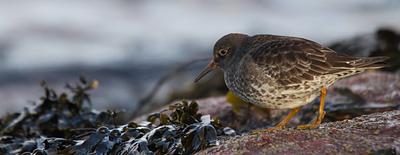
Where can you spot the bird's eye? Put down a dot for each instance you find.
(223, 52)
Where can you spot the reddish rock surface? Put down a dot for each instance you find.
(362, 135)
(376, 87)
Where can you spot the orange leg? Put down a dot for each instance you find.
(321, 113)
(281, 125)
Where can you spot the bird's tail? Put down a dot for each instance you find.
(347, 65)
(370, 62)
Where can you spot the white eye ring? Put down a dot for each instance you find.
(223, 52)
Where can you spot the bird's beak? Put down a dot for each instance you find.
(210, 67)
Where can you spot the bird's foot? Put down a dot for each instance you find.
(313, 125)
(308, 126)
(276, 128)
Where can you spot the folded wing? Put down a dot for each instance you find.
(293, 61)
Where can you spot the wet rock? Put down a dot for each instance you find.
(362, 135)
(377, 87)
(363, 94)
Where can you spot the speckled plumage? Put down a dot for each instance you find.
(282, 72)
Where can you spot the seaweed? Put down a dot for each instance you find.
(65, 123)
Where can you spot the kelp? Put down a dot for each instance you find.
(55, 116)
(65, 123)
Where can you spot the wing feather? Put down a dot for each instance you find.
(294, 61)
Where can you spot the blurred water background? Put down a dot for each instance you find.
(129, 44)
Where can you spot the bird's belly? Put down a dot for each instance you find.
(272, 95)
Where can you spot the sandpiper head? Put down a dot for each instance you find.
(225, 50)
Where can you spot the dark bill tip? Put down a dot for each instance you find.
(210, 67)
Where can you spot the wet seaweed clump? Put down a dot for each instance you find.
(65, 123)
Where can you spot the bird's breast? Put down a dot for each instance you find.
(264, 91)
(250, 87)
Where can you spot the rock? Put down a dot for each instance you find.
(374, 87)
(362, 94)
(362, 135)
